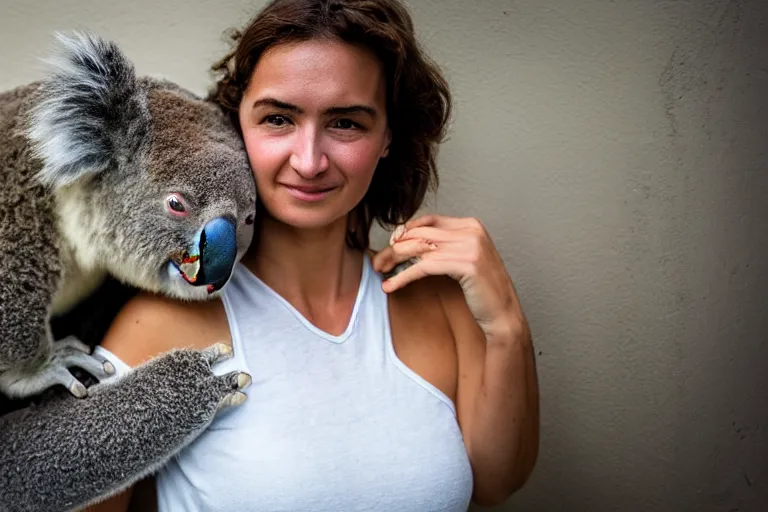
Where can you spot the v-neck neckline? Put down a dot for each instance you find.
(333, 338)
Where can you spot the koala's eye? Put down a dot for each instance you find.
(175, 204)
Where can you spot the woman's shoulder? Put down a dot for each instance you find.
(438, 304)
(421, 334)
(150, 324)
(435, 294)
(441, 338)
(465, 331)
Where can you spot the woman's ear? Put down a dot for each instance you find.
(387, 142)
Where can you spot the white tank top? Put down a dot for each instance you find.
(331, 423)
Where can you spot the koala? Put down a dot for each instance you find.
(106, 175)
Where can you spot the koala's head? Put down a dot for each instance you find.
(152, 183)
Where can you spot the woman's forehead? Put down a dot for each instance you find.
(319, 72)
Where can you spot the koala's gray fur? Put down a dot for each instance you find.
(88, 159)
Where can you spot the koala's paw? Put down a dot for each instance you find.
(65, 355)
(183, 381)
(231, 383)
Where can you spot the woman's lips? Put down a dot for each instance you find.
(309, 193)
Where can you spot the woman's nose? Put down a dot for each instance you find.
(308, 159)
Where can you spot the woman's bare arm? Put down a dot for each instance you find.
(497, 394)
(497, 399)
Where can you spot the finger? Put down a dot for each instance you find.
(392, 256)
(427, 266)
(428, 220)
(400, 267)
(397, 234)
(389, 264)
(441, 221)
(433, 235)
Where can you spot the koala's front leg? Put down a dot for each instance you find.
(29, 361)
(68, 452)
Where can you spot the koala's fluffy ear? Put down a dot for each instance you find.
(89, 112)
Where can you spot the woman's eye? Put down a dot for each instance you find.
(345, 124)
(276, 120)
(176, 205)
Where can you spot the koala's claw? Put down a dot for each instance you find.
(243, 380)
(235, 381)
(218, 352)
(66, 353)
(232, 400)
(70, 352)
(78, 389)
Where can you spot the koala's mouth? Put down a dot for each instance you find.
(189, 268)
(210, 258)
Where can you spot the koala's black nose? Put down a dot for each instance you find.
(218, 250)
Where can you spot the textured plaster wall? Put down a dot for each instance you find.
(616, 151)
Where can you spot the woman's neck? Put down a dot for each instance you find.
(306, 266)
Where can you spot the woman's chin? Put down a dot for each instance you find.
(319, 218)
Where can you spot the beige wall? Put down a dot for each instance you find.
(614, 150)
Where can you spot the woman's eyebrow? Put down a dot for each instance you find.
(272, 102)
(332, 111)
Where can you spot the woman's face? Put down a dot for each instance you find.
(314, 124)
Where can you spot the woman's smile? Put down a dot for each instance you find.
(309, 193)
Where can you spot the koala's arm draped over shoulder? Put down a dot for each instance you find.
(106, 174)
(67, 452)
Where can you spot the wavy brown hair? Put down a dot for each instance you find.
(418, 98)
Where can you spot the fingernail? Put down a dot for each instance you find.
(397, 234)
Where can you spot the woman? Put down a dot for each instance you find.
(417, 392)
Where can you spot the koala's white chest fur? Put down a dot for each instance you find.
(82, 272)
